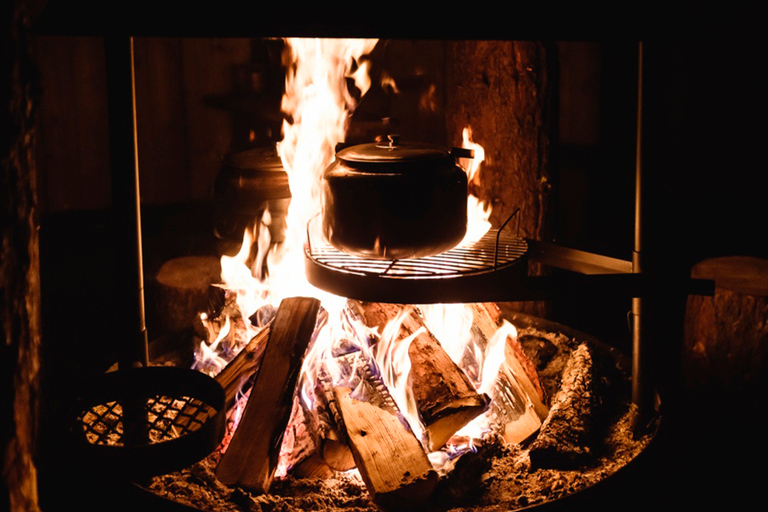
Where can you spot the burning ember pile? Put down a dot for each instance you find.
(340, 404)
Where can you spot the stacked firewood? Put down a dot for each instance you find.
(351, 420)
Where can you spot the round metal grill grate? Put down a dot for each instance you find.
(146, 420)
(493, 251)
(165, 418)
(462, 274)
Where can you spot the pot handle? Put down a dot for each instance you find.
(462, 153)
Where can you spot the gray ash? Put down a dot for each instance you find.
(495, 477)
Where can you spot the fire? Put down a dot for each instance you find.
(318, 105)
(478, 212)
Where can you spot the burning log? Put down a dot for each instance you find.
(391, 460)
(300, 452)
(251, 458)
(520, 401)
(330, 427)
(244, 365)
(319, 445)
(444, 396)
(567, 437)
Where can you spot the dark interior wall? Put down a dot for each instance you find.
(182, 132)
(706, 145)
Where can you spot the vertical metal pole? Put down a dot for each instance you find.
(132, 334)
(642, 392)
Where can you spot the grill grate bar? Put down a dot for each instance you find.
(482, 256)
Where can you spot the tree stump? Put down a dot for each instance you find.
(725, 356)
(180, 291)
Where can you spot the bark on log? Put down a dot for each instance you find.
(19, 271)
(391, 461)
(568, 435)
(725, 353)
(444, 396)
(251, 458)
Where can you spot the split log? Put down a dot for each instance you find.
(569, 434)
(181, 290)
(391, 460)
(519, 404)
(725, 354)
(251, 458)
(240, 370)
(233, 378)
(317, 445)
(444, 396)
(331, 437)
(300, 452)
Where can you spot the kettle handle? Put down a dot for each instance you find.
(462, 153)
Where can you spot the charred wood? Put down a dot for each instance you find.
(570, 434)
(317, 445)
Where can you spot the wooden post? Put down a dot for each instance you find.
(19, 274)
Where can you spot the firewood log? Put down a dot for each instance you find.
(241, 369)
(391, 460)
(570, 433)
(331, 436)
(233, 378)
(444, 396)
(251, 457)
(519, 403)
(300, 452)
(316, 444)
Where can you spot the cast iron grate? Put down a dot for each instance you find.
(161, 418)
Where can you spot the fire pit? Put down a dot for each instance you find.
(586, 438)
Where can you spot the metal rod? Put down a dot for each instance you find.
(642, 390)
(131, 333)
